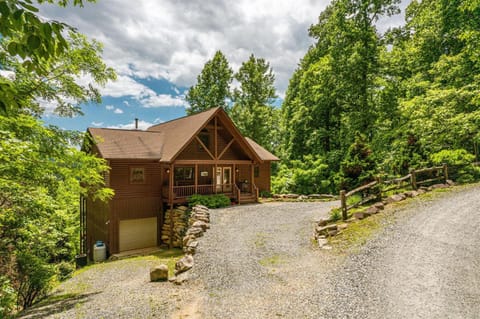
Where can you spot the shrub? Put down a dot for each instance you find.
(65, 270)
(211, 201)
(265, 194)
(335, 214)
(459, 163)
(309, 176)
(7, 297)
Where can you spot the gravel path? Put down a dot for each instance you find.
(426, 265)
(257, 261)
(119, 289)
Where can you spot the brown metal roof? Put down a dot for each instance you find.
(163, 142)
(262, 153)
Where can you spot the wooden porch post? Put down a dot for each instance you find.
(215, 177)
(170, 184)
(234, 175)
(215, 140)
(251, 178)
(170, 244)
(196, 178)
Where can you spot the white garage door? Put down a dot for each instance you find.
(138, 233)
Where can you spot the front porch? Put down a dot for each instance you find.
(231, 179)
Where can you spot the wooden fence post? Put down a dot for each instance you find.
(445, 172)
(343, 201)
(413, 179)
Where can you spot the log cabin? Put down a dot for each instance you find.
(161, 167)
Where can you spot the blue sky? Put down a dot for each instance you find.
(159, 47)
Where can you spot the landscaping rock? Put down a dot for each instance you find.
(184, 264)
(302, 197)
(195, 232)
(411, 194)
(291, 196)
(325, 229)
(200, 224)
(159, 273)
(342, 226)
(379, 205)
(332, 232)
(322, 242)
(359, 215)
(450, 182)
(421, 191)
(322, 222)
(191, 247)
(438, 186)
(395, 198)
(181, 278)
(371, 210)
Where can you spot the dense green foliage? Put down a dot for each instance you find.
(250, 105)
(36, 41)
(41, 178)
(211, 201)
(253, 112)
(42, 171)
(213, 86)
(309, 176)
(412, 93)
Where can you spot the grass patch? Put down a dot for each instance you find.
(271, 261)
(260, 240)
(358, 232)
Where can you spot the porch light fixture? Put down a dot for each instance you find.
(236, 170)
(168, 171)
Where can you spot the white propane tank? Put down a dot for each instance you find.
(99, 251)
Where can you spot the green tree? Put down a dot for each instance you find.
(334, 92)
(42, 172)
(434, 65)
(58, 84)
(42, 176)
(33, 41)
(253, 112)
(213, 86)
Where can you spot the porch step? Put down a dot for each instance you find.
(244, 199)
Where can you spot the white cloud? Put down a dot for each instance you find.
(173, 39)
(159, 100)
(142, 125)
(158, 120)
(118, 111)
(97, 124)
(109, 107)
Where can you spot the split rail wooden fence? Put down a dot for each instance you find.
(374, 190)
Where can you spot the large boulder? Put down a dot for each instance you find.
(159, 273)
(184, 264)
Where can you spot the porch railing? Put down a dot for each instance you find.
(189, 190)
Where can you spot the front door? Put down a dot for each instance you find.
(223, 179)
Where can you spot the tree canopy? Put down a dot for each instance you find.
(42, 170)
(213, 86)
(253, 112)
(411, 93)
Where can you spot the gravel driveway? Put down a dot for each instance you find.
(257, 261)
(426, 265)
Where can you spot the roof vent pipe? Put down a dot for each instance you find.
(136, 123)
